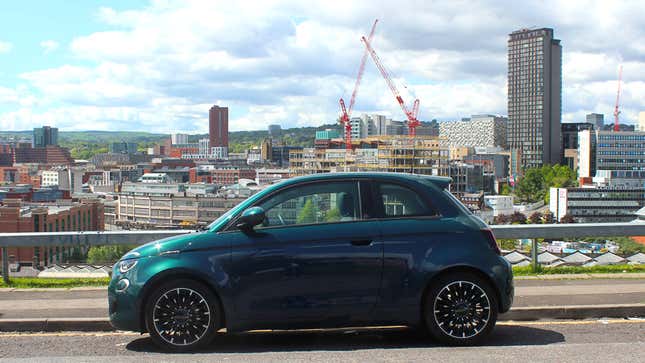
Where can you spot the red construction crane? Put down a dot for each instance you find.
(345, 113)
(411, 115)
(616, 111)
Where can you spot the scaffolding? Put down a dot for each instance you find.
(425, 155)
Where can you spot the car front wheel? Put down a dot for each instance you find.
(182, 315)
(460, 309)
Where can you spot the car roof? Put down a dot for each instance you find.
(440, 181)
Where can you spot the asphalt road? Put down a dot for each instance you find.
(561, 341)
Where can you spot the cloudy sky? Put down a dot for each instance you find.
(159, 65)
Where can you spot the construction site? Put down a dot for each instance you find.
(394, 153)
(419, 155)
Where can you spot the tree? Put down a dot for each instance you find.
(518, 218)
(535, 218)
(505, 190)
(567, 218)
(333, 215)
(548, 217)
(307, 213)
(507, 244)
(534, 185)
(530, 188)
(501, 219)
(106, 254)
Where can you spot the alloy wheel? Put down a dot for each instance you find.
(181, 316)
(462, 309)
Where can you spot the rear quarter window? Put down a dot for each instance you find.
(401, 201)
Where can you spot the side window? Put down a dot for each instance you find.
(400, 201)
(313, 203)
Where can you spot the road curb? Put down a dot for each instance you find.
(574, 312)
(516, 314)
(55, 325)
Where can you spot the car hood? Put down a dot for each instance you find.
(172, 244)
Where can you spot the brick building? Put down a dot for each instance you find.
(232, 176)
(19, 216)
(43, 155)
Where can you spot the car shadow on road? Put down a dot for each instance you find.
(352, 340)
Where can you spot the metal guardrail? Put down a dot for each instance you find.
(101, 238)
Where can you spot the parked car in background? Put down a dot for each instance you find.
(321, 251)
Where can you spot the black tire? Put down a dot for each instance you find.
(182, 315)
(460, 309)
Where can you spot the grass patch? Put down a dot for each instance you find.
(528, 270)
(34, 282)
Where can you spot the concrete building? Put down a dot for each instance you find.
(597, 205)
(570, 132)
(534, 96)
(45, 136)
(476, 131)
(620, 178)
(123, 147)
(270, 176)
(178, 139)
(173, 205)
(468, 178)
(327, 134)
(597, 119)
(610, 150)
(500, 204)
(494, 163)
(218, 126)
(69, 179)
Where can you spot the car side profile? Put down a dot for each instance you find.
(321, 251)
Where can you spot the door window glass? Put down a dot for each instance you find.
(399, 201)
(313, 203)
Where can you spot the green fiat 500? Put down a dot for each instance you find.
(327, 250)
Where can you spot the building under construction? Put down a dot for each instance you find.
(419, 155)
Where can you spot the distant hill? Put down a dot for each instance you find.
(85, 144)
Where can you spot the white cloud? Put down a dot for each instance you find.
(162, 66)
(5, 47)
(49, 45)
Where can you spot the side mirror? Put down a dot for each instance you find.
(250, 218)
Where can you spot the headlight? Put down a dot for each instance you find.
(127, 265)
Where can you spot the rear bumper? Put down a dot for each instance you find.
(507, 288)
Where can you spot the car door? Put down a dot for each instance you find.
(412, 232)
(314, 259)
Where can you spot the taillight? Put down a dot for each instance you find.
(490, 239)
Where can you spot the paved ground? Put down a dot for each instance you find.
(93, 303)
(561, 341)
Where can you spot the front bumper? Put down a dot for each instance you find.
(123, 305)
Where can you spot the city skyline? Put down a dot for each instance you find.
(122, 68)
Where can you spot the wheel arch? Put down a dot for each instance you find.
(175, 274)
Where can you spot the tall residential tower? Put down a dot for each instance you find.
(534, 96)
(218, 126)
(218, 132)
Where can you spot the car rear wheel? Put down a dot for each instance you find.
(460, 309)
(182, 315)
